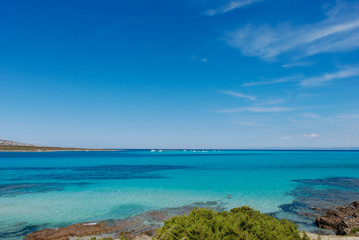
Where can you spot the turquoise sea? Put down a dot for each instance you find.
(44, 190)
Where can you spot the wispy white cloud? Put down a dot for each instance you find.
(313, 135)
(309, 115)
(338, 32)
(230, 6)
(247, 123)
(273, 81)
(344, 72)
(320, 80)
(297, 64)
(256, 110)
(354, 116)
(271, 102)
(268, 109)
(238, 95)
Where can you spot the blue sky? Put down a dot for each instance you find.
(180, 74)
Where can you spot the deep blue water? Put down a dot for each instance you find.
(41, 190)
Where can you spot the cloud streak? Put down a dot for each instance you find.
(313, 135)
(273, 81)
(248, 124)
(355, 116)
(343, 73)
(271, 102)
(320, 80)
(309, 115)
(297, 64)
(230, 6)
(238, 95)
(338, 32)
(256, 110)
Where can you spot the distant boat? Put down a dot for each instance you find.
(153, 150)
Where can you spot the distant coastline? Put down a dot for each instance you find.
(4, 148)
(11, 146)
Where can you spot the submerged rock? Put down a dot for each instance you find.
(314, 197)
(343, 220)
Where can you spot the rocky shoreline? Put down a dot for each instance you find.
(343, 221)
(317, 202)
(142, 226)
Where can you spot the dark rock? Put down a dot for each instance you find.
(343, 220)
(316, 209)
(337, 182)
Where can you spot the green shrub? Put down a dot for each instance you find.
(355, 231)
(240, 223)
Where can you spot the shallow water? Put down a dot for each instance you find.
(42, 190)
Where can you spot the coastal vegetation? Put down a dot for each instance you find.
(239, 223)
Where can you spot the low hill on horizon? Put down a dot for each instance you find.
(12, 146)
(13, 143)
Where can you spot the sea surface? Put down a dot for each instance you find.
(52, 189)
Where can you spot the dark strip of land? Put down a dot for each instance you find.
(9, 148)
